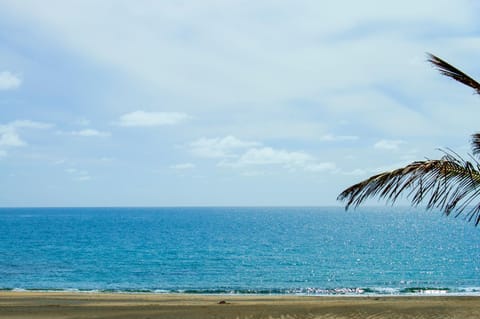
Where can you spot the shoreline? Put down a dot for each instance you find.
(42, 305)
(341, 292)
(300, 295)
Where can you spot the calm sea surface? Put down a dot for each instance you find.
(238, 250)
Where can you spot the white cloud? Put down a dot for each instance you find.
(90, 133)
(82, 178)
(268, 156)
(28, 124)
(253, 173)
(237, 153)
(183, 166)
(388, 144)
(59, 161)
(9, 81)
(142, 118)
(78, 175)
(106, 159)
(337, 138)
(9, 133)
(219, 147)
(83, 122)
(9, 137)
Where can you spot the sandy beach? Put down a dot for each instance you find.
(39, 305)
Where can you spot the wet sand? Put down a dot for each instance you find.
(43, 305)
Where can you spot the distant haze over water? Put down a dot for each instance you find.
(262, 250)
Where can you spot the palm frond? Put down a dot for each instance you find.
(449, 70)
(450, 184)
(476, 144)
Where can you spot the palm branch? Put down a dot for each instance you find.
(449, 70)
(450, 183)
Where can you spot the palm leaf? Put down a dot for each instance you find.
(476, 144)
(450, 184)
(449, 70)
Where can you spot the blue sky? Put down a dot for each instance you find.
(154, 103)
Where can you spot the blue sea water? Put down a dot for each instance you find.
(238, 250)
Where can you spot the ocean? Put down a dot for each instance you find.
(223, 250)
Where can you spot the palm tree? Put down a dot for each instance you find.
(450, 184)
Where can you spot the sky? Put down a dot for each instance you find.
(225, 103)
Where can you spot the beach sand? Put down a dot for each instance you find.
(39, 305)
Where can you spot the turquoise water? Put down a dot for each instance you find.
(238, 250)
